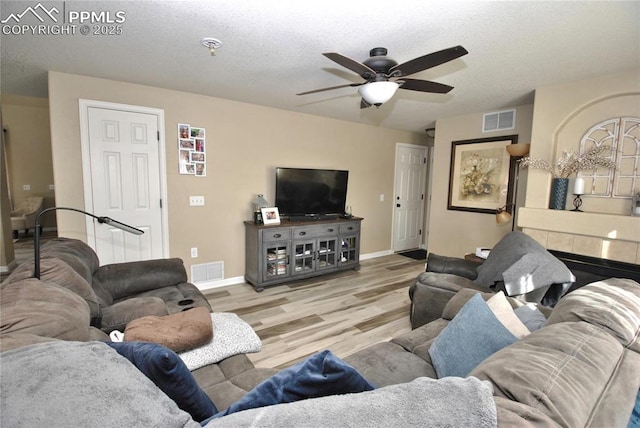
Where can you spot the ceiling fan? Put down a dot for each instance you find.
(379, 69)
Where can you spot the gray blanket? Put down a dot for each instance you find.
(448, 402)
(523, 264)
(64, 384)
(80, 384)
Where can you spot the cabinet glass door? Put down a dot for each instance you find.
(348, 249)
(327, 253)
(276, 260)
(303, 256)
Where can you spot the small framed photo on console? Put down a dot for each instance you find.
(270, 215)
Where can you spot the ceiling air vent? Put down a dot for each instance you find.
(499, 120)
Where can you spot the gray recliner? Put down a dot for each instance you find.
(517, 265)
(119, 292)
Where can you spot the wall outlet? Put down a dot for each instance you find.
(194, 252)
(196, 201)
(52, 187)
(382, 197)
(26, 187)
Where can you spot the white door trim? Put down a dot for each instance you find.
(84, 106)
(423, 189)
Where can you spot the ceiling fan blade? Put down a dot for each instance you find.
(351, 64)
(364, 104)
(424, 86)
(332, 87)
(427, 61)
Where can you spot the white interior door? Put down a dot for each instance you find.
(125, 183)
(408, 214)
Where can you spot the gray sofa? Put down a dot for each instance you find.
(76, 299)
(579, 369)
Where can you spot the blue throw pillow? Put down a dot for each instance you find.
(165, 368)
(320, 375)
(634, 422)
(471, 336)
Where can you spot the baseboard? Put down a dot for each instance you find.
(376, 255)
(210, 285)
(11, 266)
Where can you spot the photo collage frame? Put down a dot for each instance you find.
(192, 154)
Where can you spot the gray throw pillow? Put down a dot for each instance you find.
(531, 317)
(470, 337)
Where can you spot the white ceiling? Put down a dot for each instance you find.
(272, 50)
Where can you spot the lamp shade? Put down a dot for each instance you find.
(503, 217)
(518, 150)
(377, 93)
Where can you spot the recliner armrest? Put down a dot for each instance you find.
(453, 265)
(431, 293)
(126, 279)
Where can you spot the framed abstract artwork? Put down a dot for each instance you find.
(481, 174)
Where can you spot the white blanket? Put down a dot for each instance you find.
(231, 336)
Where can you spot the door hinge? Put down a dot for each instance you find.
(424, 160)
(420, 232)
(160, 203)
(158, 135)
(422, 197)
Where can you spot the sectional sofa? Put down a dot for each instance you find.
(578, 367)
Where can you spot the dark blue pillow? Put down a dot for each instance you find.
(319, 375)
(165, 368)
(634, 422)
(470, 337)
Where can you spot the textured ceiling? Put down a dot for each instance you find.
(272, 50)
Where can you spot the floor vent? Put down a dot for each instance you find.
(499, 120)
(206, 272)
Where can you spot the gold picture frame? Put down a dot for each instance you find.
(481, 175)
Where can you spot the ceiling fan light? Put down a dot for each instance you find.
(377, 93)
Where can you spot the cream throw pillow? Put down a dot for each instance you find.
(502, 309)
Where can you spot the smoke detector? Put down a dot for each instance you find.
(211, 44)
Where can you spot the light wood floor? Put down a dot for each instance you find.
(343, 312)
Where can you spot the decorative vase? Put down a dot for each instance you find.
(559, 189)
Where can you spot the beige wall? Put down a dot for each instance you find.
(7, 255)
(455, 233)
(245, 143)
(562, 114)
(28, 143)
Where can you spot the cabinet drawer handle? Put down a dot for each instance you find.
(302, 233)
(277, 235)
(329, 230)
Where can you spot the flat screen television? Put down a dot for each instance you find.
(302, 192)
